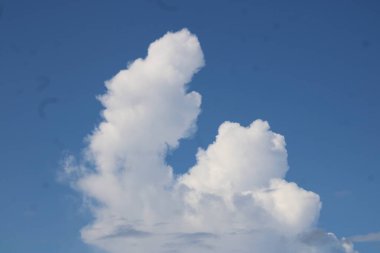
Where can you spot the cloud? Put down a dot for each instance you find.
(325, 242)
(234, 199)
(371, 237)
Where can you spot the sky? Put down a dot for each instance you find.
(223, 85)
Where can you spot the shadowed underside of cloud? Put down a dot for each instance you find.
(234, 199)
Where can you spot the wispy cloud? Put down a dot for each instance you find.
(127, 232)
(234, 199)
(166, 5)
(46, 102)
(371, 237)
(43, 83)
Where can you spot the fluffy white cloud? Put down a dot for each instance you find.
(235, 199)
(244, 168)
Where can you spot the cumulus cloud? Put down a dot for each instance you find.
(234, 199)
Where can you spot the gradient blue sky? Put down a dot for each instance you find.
(311, 68)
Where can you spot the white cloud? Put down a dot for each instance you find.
(235, 199)
(244, 168)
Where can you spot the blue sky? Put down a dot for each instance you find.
(310, 68)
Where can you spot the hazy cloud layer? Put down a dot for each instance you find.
(234, 199)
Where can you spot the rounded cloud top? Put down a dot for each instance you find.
(178, 51)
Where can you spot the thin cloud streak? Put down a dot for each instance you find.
(371, 237)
